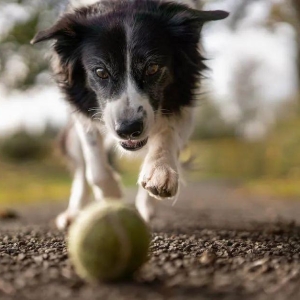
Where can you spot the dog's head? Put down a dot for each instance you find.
(129, 62)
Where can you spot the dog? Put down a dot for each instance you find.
(130, 70)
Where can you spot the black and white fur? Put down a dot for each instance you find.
(131, 70)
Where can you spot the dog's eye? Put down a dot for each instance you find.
(152, 69)
(102, 73)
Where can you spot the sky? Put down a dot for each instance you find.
(32, 110)
(267, 57)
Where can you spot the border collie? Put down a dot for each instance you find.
(131, 70)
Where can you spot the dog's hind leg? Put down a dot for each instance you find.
(79, 190)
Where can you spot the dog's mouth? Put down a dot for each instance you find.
(132, 145)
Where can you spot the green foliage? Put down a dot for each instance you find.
(210, 124)
(23, 147)
(277, 156)
(34, 181)
(16, 42)
(23, 32)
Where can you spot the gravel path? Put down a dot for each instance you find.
(215, 243)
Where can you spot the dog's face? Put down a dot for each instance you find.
(130, 63)
(128, 67)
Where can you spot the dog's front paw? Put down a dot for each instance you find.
(161, 181)
(65, 219)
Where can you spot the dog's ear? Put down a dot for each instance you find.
(44, 35)
(210, 15)
(67, 28)
(68, 33)
(182, 13)
(186, 23)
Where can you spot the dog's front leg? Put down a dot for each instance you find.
(145, 204)
(159, 175)
(79, 190)
(160, 170)
(100, 176)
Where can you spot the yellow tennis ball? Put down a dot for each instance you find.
(108, 241)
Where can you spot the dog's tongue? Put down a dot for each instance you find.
(131, 143)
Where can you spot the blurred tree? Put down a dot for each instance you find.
(288, 12)
(239, 13)
(23, 147)
(21, 63)
(296, 5)
(251, 112)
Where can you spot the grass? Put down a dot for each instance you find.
(34, 181)
(280, 187)
(47, 179)
(268, 167)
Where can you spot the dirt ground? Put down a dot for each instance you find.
(216, 242)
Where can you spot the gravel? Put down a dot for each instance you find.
(192, 256)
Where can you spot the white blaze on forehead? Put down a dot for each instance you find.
(135, 98)
(131, 105)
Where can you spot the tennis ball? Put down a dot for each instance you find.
(108, 241)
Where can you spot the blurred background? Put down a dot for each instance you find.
(248, 127)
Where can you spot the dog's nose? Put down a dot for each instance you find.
(130, 129)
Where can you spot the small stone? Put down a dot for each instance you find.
(37, 259)
(207, 258)
(21, 256)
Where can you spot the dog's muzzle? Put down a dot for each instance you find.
(130, 129)
(130, 132)
(132, 145)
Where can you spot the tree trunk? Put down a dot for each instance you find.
(296, 5)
